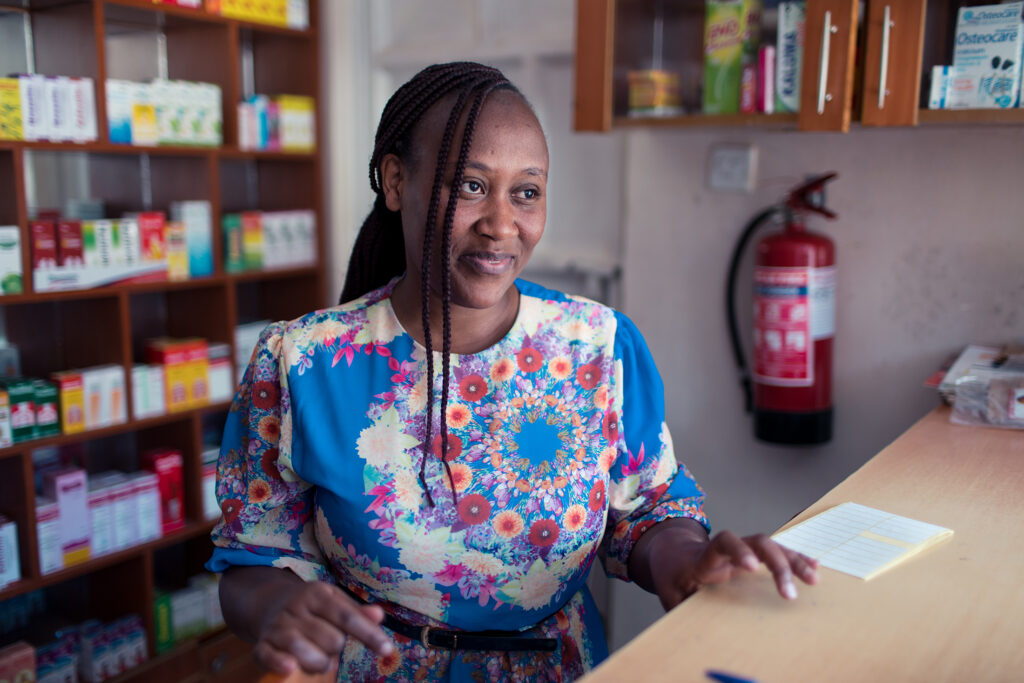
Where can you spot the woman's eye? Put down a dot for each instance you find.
(529, 193)
(472, 187)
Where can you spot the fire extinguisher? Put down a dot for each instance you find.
(790, 388)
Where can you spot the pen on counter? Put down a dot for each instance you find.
(723, 677)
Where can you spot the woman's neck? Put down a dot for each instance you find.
(472, 329)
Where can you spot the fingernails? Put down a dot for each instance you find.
(789, 590)
(750, 562)
(385, 648)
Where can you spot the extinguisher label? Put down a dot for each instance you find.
(783, 345)
(822, 295)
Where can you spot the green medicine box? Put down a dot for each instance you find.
(22, 393)
(46, 407)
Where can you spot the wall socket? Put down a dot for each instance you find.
(732, 167)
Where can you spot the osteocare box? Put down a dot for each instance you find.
(68, 486)
(167, 464)
(987, 51)
(789, 52)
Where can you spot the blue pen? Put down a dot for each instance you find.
(723, 677)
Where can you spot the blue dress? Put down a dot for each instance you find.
(558, 454)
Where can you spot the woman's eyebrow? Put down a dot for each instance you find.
(529, 170)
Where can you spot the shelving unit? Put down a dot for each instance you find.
(613, 36)
(71, 329)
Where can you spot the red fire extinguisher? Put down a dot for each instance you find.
(794, 322)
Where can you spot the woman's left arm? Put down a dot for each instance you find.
(674, 558)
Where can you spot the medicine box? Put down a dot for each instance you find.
(10, 260)
(152, 240)
(171, 356)
(6, 439)
(71, 396)
(10, 110)
(177, 251)
(197, 218)
(68, 487)
(167, 464)
(44, 244)
(987, 47)
(70, 249)
(47, 412)
(211, 508)
(101, 514)
(146, 491)
(48, 536)
(252, 239)
(10, 564)
(18, 663)
(21, 393)
(234, 258)
(789, 50)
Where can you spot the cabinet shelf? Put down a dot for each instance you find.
(123, 428)
(203, 15)
(159, 150)
(192, 529)
(701, 120)
(986, 116)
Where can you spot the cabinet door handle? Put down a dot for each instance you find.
(883, 75)
(826, 45)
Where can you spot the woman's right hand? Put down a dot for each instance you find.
(307, 625)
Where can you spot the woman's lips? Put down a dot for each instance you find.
(488, 263)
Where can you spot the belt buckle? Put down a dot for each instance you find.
(424, 635)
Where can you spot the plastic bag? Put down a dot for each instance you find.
(990, 397)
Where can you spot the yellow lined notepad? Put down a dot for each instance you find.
(859, 540)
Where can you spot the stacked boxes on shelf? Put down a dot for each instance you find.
(34, 108)
(187, 612)
(164, 112)
(288, 13)
(10, 564)
(255, 240)
(279, 123)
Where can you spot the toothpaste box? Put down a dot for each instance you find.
(987, 51)
(789, 55)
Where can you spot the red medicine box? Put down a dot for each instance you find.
(44, 244)
(167, 464)
(69, 243)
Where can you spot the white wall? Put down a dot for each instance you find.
(930, 248)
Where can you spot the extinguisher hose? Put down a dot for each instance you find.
(730, 301)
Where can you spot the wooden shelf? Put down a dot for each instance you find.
(243, 154)
(123, 428)
(159, 150)
(203, 15)
(192, 529)
(701, 120)
(959, 116)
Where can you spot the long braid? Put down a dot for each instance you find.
(379, 255)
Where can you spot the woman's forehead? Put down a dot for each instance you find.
(503, 112)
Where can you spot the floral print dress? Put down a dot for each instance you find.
(558, 453)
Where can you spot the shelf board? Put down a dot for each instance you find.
(695, 120)
(938, 116)
(129, 426)
(160, 286)
(159, 150)
(249, 154)
(192, 529)
(203, 15)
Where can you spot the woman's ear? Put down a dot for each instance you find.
(392, 175)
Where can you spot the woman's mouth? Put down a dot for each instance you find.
(488, 263)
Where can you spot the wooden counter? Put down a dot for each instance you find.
(953, 613)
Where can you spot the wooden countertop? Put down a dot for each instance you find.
(953, 613)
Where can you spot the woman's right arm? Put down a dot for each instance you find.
(296, 624)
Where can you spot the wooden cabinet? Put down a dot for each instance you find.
(866, 62)
(65, 330)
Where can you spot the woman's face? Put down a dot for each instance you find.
(502, 203)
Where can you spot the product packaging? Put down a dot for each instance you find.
(47, 412)
(654, 92)
(234, 259)
(68, 487)
(162, 626)
(177, 251)
(197, 218)
(21, 393)
(10, 563)
(987, 52)
(220, 384)
(48, 535)
(766, 79)
(211, 508)
(71, 396)
(126, 518)
(152, 239)
(197, 358)
(252, 239)
(10, 260)
(167, 464)
(10, 110)
(101, 514)
(130, 240)
(34, 119)
(297, 115)
(723, 51)
(70, 249)
(58, 108)
(82, 100)
(144, 125)
(171, 356)
(44, 244)
(146, 491)
(991, 396)
(18, 663)
(10, 360)
(119, 110)
(789, 56)
(6, 437)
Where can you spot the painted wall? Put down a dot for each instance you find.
(930, 246)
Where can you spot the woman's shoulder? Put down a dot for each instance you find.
(560, 299)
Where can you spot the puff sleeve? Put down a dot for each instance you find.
(646, 484)
(267, 509)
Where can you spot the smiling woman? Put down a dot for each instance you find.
(398, 512)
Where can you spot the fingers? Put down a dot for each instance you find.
(311, 629)
(359, 621)
(727, 553)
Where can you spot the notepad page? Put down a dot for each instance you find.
(859, 540)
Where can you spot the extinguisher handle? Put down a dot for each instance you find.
(802, 197)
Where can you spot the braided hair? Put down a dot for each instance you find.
(379, 251)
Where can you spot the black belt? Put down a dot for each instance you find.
(445, 639)
(507, 641)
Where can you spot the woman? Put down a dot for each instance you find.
(435, 515)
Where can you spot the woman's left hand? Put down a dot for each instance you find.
(679, 564)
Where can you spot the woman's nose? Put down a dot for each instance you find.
(499, 221)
